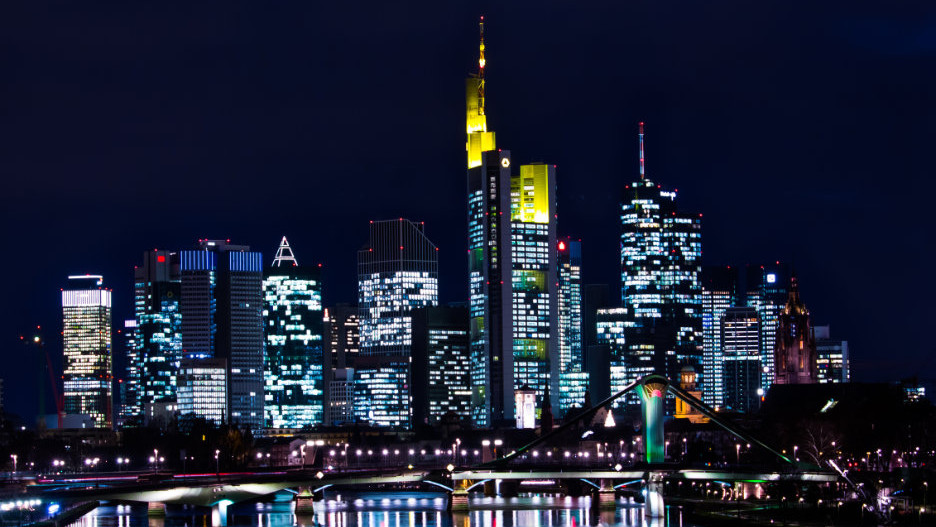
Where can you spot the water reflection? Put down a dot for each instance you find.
(397, 509)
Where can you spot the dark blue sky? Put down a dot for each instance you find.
(801, 130)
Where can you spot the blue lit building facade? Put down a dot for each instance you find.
(490, 289)
(221, 306)
(293, 331)
(767, 292)
(661, 287)
(573, 380)
(719, 292)
(740, 361)
(157, 335)
(397, 272)
(832, 362)
(626, 362)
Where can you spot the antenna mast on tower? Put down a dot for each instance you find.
(481, 63)
(641, 136)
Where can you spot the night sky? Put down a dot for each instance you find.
(803, 131)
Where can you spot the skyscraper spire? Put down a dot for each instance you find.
(641, 136)
(481, 63)
(284, 254)
(479, 138)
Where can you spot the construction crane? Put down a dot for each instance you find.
(40, 343)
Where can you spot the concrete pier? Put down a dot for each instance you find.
(605, 496)
(156, 509)
(653, 501)
(305, 502)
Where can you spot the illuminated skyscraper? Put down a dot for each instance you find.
(342, 347)
(719, 292)
(661, 288)
(129, 388)
(626, 362)
(157, 331)
(573, 380)
(222, 301)
(489, 262)
(202, 389)
(293, 363)
(767, 293)
(740, 361)
(86, 336)
(535, 271)
(832, 363)
(512, 269)
(441, 365)
(397, 272)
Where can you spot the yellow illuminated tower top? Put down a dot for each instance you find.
(479, 139)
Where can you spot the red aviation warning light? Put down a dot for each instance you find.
(562, 245)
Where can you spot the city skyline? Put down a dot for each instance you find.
(830, 261)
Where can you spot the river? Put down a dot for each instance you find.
(392, 509)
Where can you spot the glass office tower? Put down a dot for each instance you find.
(661, 288)
(397, 272)
(293, 361)
(222, 301)
(832, 363)
(86, 339)
(573, 380)
(719, 292)
(489, 268)
(767, 293)
(441, 364)
(534, 274)
(740, 364)
(157, 335)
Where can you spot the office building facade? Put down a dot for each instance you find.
(157, 331)
(767, 293)
(86, 337)
(740, 359)
(661, 288)
(342, 347)
(832, 361)
(573, 379)
(441, 365)
(222, 301)
(202, 390)
(535, 295)
(294, 354)
(719, 292)
(397, 272)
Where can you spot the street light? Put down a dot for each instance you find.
(217, 466)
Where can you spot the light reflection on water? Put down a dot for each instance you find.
(396, 509)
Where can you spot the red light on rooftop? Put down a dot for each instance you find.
(161, 259)
(562, 246)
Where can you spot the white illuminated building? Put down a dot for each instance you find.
(86, 336)
(397, 272)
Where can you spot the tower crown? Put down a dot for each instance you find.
(479, 138)
(284, 254)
